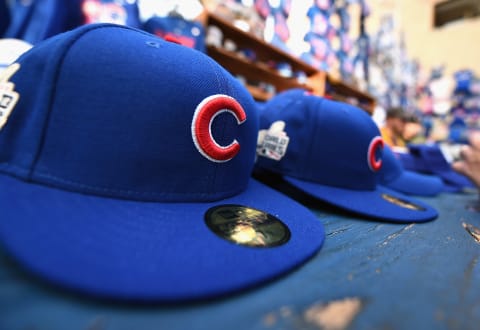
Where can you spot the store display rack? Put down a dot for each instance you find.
(263, 67)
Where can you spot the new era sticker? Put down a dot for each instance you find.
(273, 143)
(8, 96)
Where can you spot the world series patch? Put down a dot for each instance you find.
(273, 143)
(8, 96)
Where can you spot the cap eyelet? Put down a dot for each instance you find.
(153, 44)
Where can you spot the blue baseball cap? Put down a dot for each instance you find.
(333, 154)
(429, 158)
(125, 172)
(392, 175)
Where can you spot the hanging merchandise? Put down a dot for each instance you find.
(392, 74)
(344, 55)
(463, 79)
(275, 13)
(123, 12)
(177, 29)
(318, 21)
(320, 36)
(363, 42)
(344, 43)
(263, 8)
(465, 105)
(441, 90)
(332, 48)
(325, 6)
(34, 21)
(342, 12)
(320, 46)
(281, 28)
(346, 67)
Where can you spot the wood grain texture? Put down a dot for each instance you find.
(379, 275)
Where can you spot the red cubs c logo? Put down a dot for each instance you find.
(203, 118)
(374, 163)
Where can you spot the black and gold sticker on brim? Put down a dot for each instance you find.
(402, 203)
(247, 226)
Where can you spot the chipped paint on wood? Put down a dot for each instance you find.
(396, 234)
(270, 319)
(338, 231)
(473, 206)
(335, 315)
(472, 230)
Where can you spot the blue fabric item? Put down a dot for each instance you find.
(428, 158)
(393, 176)
(463, 80)
(319, 23)
(106, 177)
(326, 6)
(4, 17)
(178, 29)
(333, 155)
(34, 21)
(263, 8)
(344, 17)
(21, 13)
(458, 130)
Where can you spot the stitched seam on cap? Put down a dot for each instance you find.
(15, 167)
(74, 184)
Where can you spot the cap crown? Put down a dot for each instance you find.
(391, 166)
(331, 143)
(115, 111)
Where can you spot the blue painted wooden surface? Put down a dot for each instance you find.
(417, 276)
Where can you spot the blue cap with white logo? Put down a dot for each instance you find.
(334, 152)
(125, 165)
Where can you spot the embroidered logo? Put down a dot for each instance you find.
(373, 158)
(203, 117)
(273, 143)
(8, 97)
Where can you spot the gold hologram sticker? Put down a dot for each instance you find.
(402, 203)
(246, 226)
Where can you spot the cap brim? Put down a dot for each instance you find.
(449, 177)
(146, 251)
(453, 178)
(418, 184)
(371, 203)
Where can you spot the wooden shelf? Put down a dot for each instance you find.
(254, 72)
(260, 69)
(365, 101)
(264, 52)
